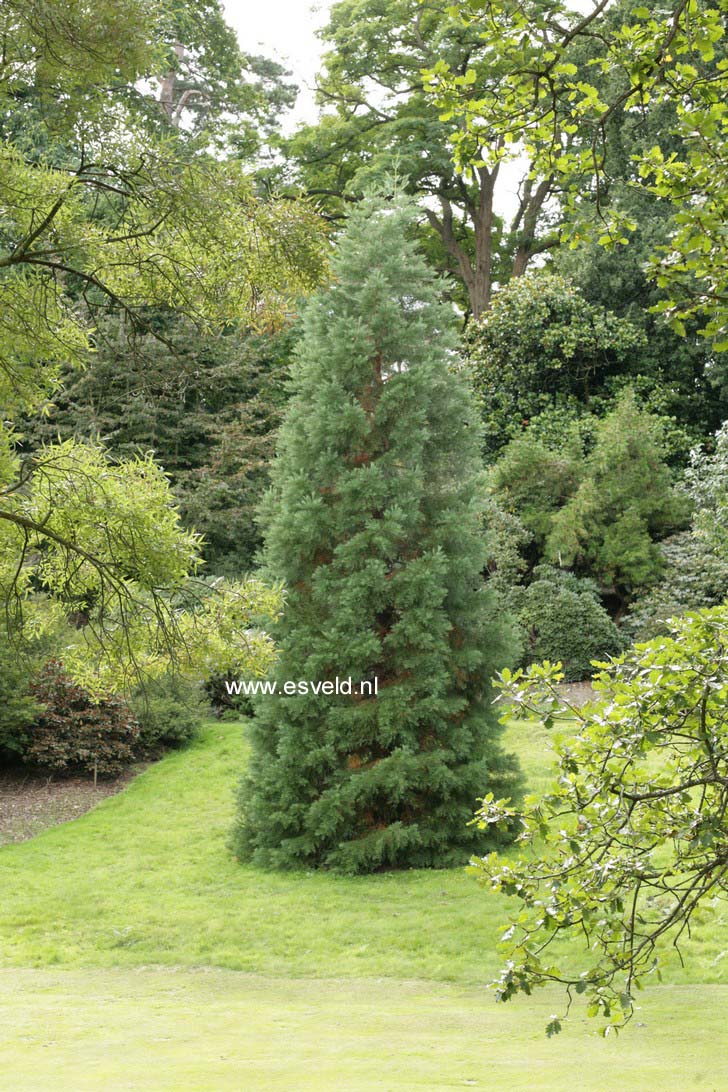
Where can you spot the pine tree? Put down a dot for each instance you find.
(373, 523)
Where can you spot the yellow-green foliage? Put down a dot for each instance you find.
(564, 78)
(100, 210)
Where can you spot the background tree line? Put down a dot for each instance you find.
(569, 342)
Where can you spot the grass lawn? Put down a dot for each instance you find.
(175, 1031)
(129, 923)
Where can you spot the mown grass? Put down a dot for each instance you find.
(147, 879)
(135, 916)
(214, 1031)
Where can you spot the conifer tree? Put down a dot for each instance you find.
(373, 523)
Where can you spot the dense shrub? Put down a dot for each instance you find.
(224, 705)
(18, 708)
(77, 733)
(506, 539)
(169, 713)
(626, 502)
(706, 483)
(534, 481)
(695, 572)
(695, 577)
(543, 344)
(597, 500)
(562, 618)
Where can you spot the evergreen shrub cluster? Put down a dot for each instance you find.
(169, 713)
(222, 704)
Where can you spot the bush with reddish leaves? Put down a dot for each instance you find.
(76, 733)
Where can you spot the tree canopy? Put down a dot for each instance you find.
(377, 118)
(544, 105)
(102, 215)
(542, 345)
(207, 406)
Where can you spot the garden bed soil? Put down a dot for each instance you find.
(30, 803)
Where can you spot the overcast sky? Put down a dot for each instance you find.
(286, 31)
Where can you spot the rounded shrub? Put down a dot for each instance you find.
(562, 618)
(75, 732)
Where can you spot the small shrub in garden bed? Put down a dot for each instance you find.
(223, 705)
(18, 708)
(169, 713)
(76, 732)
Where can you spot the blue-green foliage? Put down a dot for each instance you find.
(373, 523)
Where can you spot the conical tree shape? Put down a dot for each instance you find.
(373, 524)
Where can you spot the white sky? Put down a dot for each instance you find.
(284, 30)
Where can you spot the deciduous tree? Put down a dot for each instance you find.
(544, 104)
(630, 840)
(97, 215)
(376, 118)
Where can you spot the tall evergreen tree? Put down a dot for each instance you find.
(372, 522)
